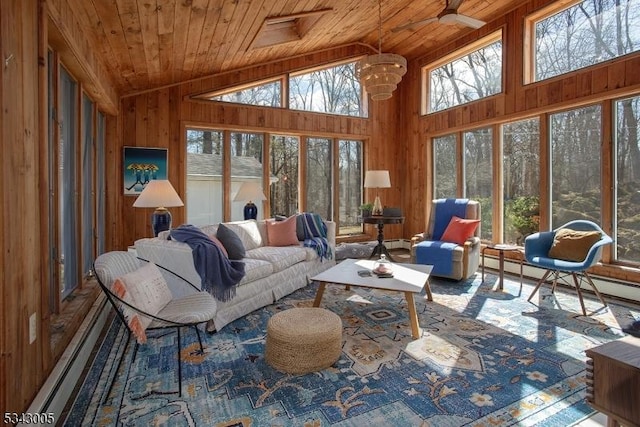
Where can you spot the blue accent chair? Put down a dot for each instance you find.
(536, 252)
(449, 260)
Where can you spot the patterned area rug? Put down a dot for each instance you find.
(485, 358)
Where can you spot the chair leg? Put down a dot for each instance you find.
(556, 276)
(579, 292)
(595, 289)
(199, 339)
(540, 282)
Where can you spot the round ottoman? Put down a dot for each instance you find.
(302, 340)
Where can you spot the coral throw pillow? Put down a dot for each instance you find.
(282, 233)
(145, 289)
(459, 230)
(572, 245)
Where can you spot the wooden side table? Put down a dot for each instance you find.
(502, 248)
(613, 380)
(381, 220)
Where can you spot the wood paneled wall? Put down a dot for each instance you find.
(22, 363)
(156, 118)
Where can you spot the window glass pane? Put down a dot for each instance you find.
(478, 171)
(67, 169)
(521, 179)
(473, 76)
(627, 196)
(444, 159)
(267, 95)
(246, 165)
(587, 33)
(333, 90)
(87, 184)
(350, 175)
(283, 157)
(204, 177)
(575, 165)
(319, 180)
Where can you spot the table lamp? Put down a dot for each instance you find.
(249, 191)
(159, 194)
(377, 179)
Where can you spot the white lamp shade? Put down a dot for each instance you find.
(249, 191)
(377, 179)
(156, 194)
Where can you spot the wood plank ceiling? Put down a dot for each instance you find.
(152, 43)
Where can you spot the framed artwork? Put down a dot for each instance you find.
(141, 165)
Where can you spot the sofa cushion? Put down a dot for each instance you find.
(282, 233)
(231, 241)
(255, 269)
(280, 257)
(248, 232)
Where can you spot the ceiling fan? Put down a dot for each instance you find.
(448, 16)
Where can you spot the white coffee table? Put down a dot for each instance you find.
(407, 278)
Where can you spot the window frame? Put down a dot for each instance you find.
(425, 107)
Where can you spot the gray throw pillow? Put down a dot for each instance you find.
(299, 228)
(231, 242)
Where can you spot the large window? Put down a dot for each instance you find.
(204, 176)
(283, 158)
(575, 165)
(473, 73)
(445, 180)
(319, 176)
(265, 94)
(478, 173)
(334, 89)
(520, 179)
(76, 163)
(246, 165)
(330, 90)
(584, 34)
(350, 176)
(627, 194)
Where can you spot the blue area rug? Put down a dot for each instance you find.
(485, 358)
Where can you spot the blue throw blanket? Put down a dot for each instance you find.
(315, 235)
(435, 252)
(219, 275)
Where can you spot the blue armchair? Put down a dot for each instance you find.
(542, 250)
(455, 261)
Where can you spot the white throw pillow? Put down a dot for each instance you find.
(248, 232)
(145, 289)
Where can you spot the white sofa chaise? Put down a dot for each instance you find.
(270, 272)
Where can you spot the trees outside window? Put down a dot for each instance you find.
(521, 179)
(576, 138)
(478, 173)
(584, 34)
(350, 185)
(333, 90)
(445, 179)
(265, 94)
(471, 75)
(319, 176)
(283, 158)
(627, 194)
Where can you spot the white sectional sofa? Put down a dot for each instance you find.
(270, 272)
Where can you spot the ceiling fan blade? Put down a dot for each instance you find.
(412, 25)
(454, 4)
(469, 21)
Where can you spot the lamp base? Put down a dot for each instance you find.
(377, 206)
(250, 211)
(160, 221)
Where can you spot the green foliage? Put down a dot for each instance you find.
(366, 207)
(523, 214)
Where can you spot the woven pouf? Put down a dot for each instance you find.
(302, 340)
